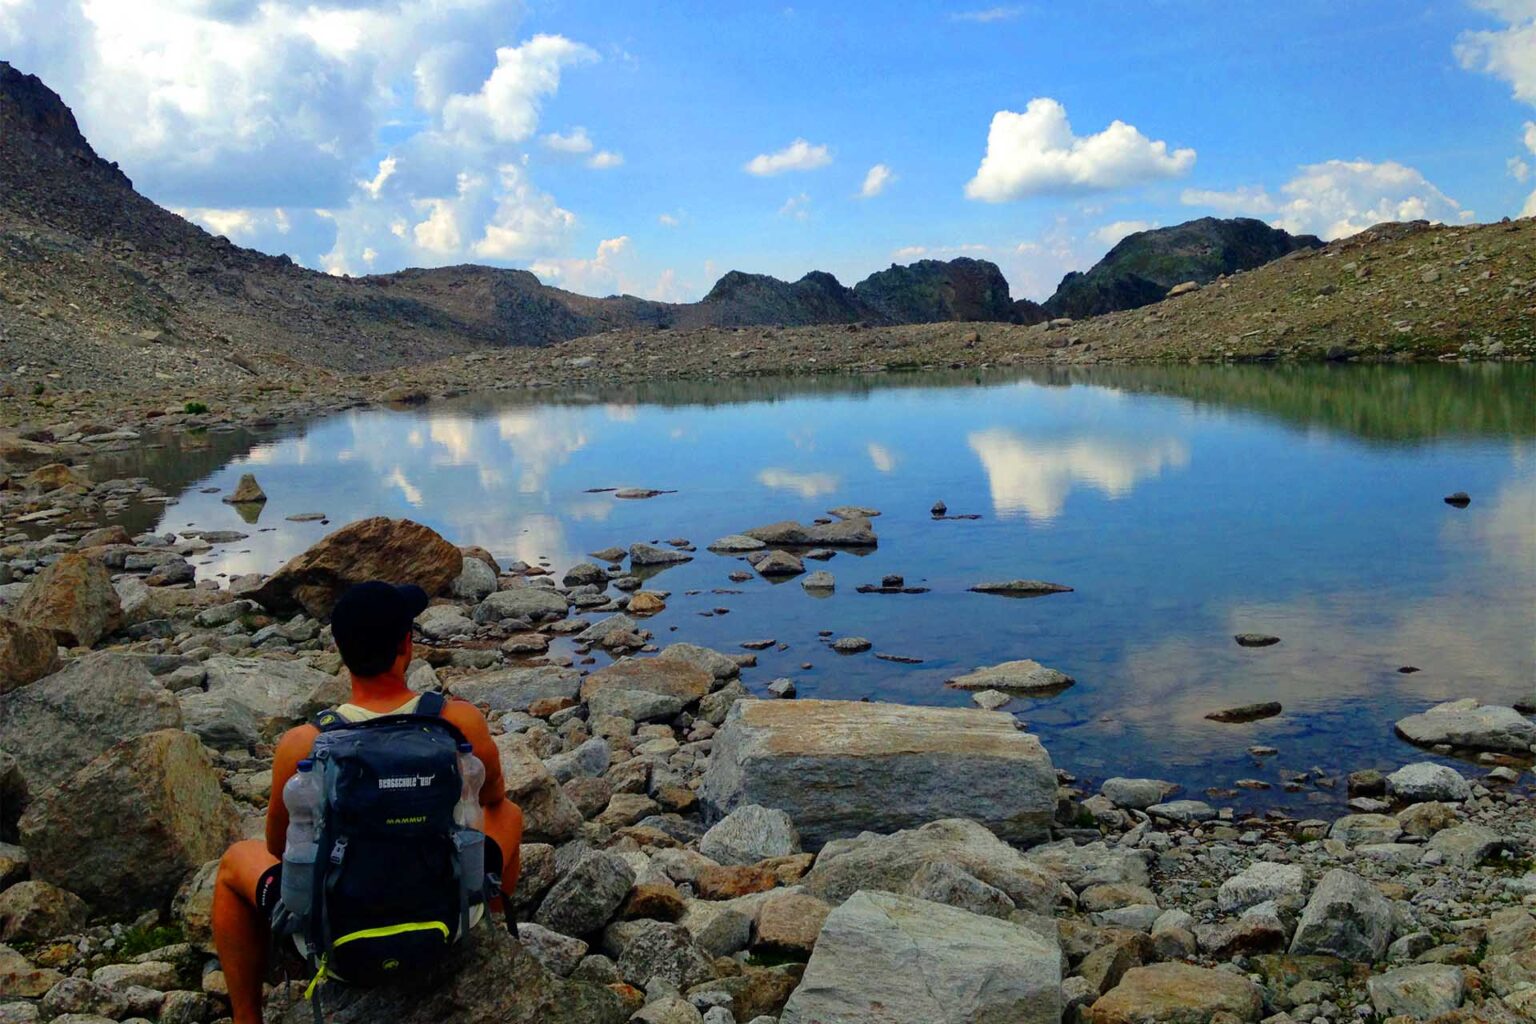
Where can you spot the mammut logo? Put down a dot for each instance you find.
(407, 782)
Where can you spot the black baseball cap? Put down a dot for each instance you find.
(371, 619)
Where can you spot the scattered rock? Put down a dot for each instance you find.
(1137, 794)
(844, 533)
(1461, 499)
(851, 645)
(35, 911)
(645, 689)
(1256, 640)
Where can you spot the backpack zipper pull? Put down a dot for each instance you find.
(339, 850)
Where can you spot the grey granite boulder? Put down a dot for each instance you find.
(1346, 917)
(58, 725)
(529, 602)
(1425, 781)
(839, 768)
(588, 895)
(1419, 991)
(1014, 677)
(251, 700)
(894, 863)
(514, 689)
(887, 959)
(1259, 882)
(749, 834)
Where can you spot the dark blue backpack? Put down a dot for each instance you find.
(391, 896)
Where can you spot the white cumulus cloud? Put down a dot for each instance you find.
(574, 141)
(605, 159)
(1036, 153)
(987, 15)
(875, 181)
(797, 156)
(352, 134)
(1338, 198)
(1110, 234)
(1508, 52)
(798, 207)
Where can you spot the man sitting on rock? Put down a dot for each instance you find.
(372, 627)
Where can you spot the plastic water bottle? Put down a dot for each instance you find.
(469, 840)
(468, 812)
(305, 801)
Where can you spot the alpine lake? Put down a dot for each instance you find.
(1183, 505)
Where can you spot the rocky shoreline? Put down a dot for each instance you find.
(699, 854)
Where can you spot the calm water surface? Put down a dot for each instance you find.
(1184, 505)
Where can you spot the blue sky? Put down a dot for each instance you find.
(650, 148)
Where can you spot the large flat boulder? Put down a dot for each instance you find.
(124, 831)
(645, 689)
(492, 980)
(844, 533)
(392, 550)
(844, 767)
(59, 724)
(525, 602)
(886, 959)
(251, 700)
(897, 863)
(27, 653)
(514, 689)
(1471, 725)
(74, 599)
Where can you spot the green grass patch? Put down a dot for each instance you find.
(138, 941)
(195, 408)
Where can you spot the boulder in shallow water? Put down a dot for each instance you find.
(887, 959)
(834, 765)
(1471, 725)
(124, 831)
(492, 980)
(59, 724)
(1015, 677)
(74, 599)
(246, 492)
(844, 533)
(392, 550)
(1427, 781)
(1021, 588)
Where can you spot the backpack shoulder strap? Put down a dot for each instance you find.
(431, 704)
(329, 720)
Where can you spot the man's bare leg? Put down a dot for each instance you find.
(240, 932)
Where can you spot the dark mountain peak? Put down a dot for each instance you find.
(929, 291)
(30, 108)
(1142, 266)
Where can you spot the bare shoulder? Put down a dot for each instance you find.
(466, 716)
(296, 743)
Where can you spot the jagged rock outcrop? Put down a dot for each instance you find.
(930, 291)
(1142, 267)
